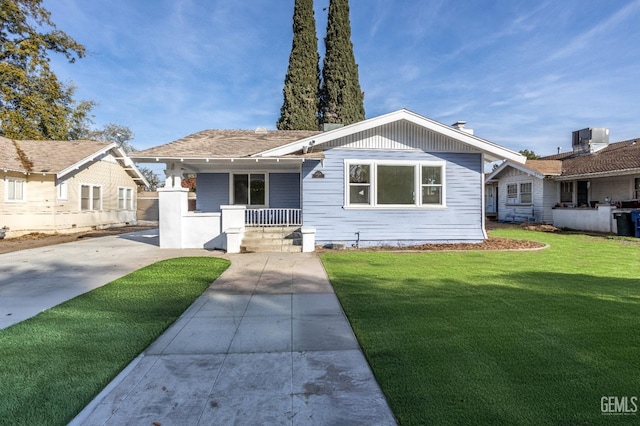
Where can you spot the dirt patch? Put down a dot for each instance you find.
(36, 240)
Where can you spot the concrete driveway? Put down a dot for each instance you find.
(37, 279)
(266, 343)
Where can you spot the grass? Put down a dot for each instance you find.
(52, 365)
(499, 337)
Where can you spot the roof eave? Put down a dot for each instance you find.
(623, 172)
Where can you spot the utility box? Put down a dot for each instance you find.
(635, 222)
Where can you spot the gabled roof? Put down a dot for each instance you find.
(230, 144)
(60, 157)
(223, 144)
(537, 168)
(491, 150)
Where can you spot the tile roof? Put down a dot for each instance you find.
(545, 167)
(224, 144)
(45, 156)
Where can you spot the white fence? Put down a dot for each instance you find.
(273, 217)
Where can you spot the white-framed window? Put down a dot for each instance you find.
(249, 189)
(125, 198)
(62, 190)
(566, 192)
(370, 183)
(90, 197)
(15, 190)
(520, 193)
(636, 192)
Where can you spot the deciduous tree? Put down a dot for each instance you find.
(34, 104)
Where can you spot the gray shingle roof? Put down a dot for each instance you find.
(224, 144)
(45, 156)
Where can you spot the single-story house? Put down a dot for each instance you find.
(65, 186)
(581, 189)
(396, 179)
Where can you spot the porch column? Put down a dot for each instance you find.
(173, 205)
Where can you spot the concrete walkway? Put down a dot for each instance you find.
(266, 344)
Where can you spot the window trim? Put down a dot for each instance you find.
(249, 173)
(15, 180)
(518, 198)
(373, 184)
(63, 190)
(572, 192)
(91, 190)
(127, 199)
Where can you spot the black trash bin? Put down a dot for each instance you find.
(623, 221)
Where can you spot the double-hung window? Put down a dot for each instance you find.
(15, 190)
(90, 197)
(520, 193)
(382, 184)
(637, 189)
(125, 199)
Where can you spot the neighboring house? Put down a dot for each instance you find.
(65, 186)
(397, 179)
(582, 189)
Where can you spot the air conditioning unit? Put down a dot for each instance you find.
(589, 140)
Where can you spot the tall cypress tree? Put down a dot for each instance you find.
(341, 99)
(302, 83)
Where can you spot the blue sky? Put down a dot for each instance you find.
(523, 74)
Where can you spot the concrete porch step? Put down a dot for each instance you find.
(272, 240)
(271, 248)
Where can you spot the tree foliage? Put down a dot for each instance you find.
(529, 154)
(34, 104)
(341, 99)
(302, 83)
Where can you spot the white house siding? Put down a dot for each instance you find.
(323, 203)
(400, 135)
(618, 188)
(521, 212)
(549, 199)
(43, 211)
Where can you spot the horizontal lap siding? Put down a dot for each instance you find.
(284, 190)
(212, 191)
(323, 201)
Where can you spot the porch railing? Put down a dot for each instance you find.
(273, 217)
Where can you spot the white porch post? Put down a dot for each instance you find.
(233, 227)
(173, 205)
(308, 239)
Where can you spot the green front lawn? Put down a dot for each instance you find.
(52, 365)
(499, 337)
